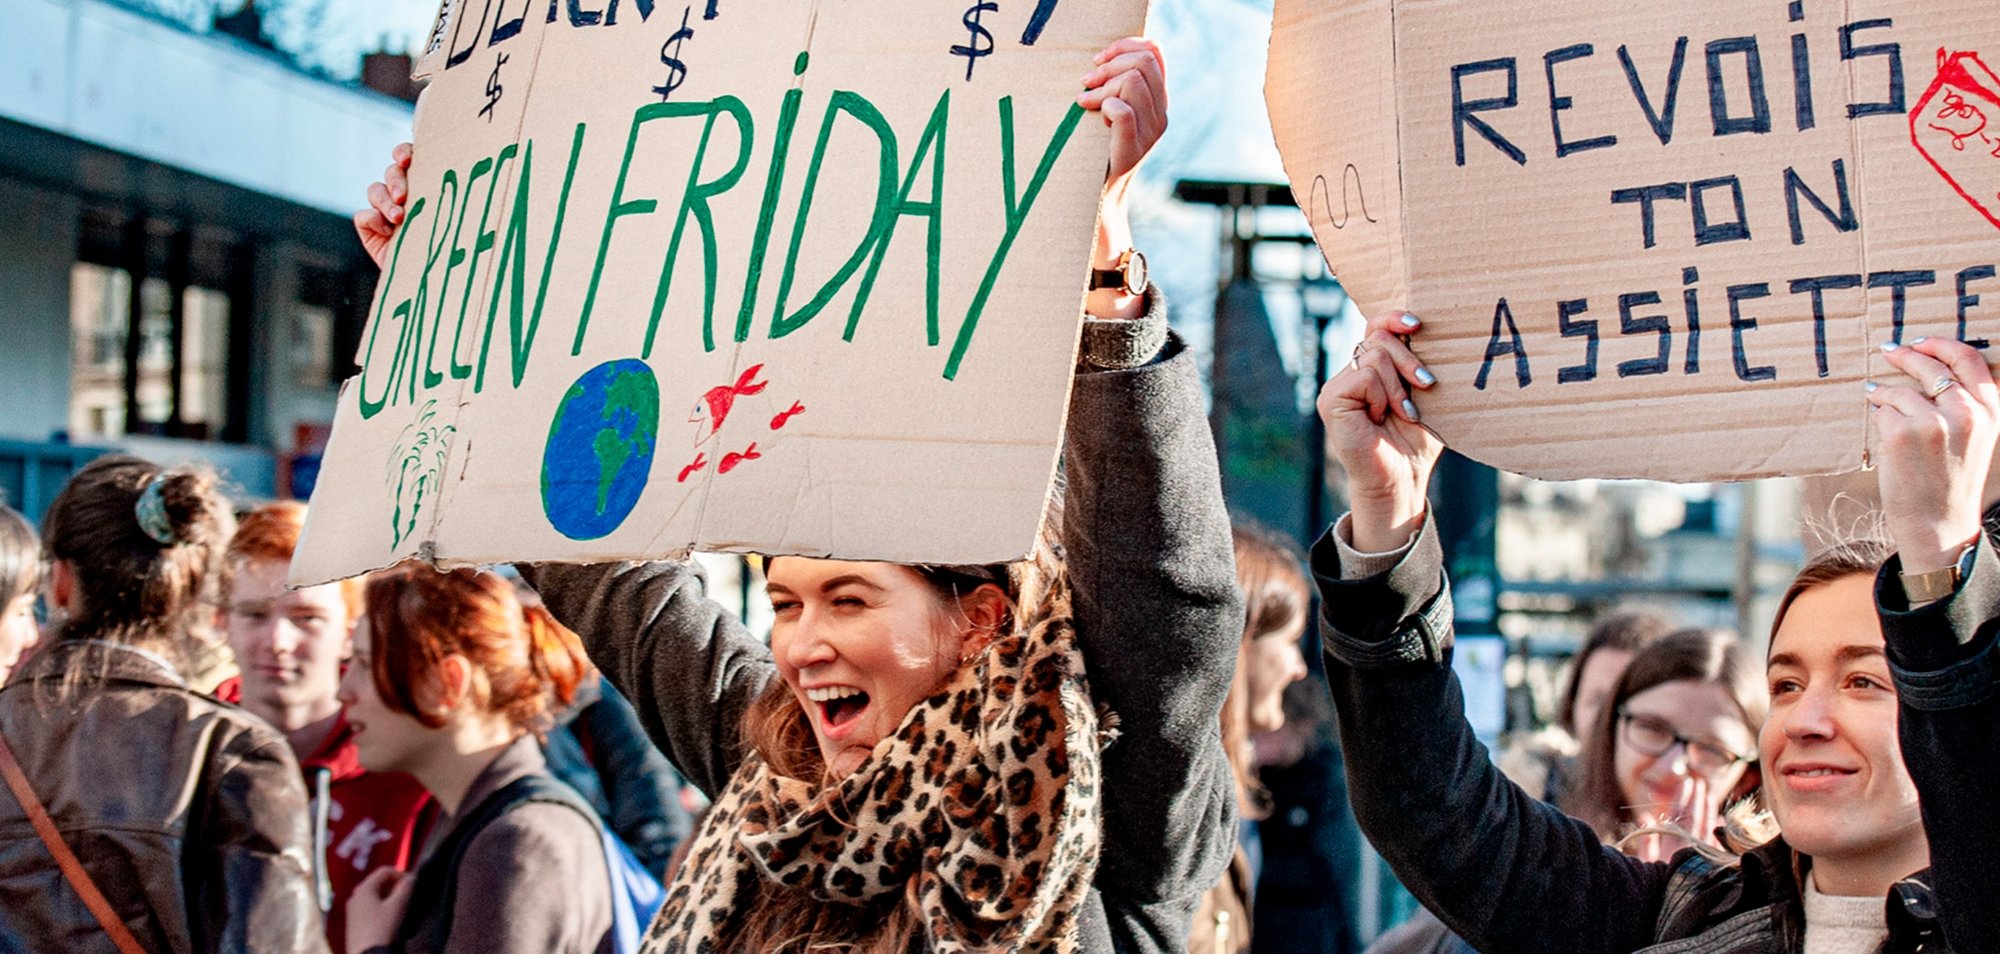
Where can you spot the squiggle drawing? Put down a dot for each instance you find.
(1351, 195)
(416, 469)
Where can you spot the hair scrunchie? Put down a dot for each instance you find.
(151, 511)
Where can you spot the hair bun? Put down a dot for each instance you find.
(193, 512)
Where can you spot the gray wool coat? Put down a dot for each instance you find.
(1157, 613)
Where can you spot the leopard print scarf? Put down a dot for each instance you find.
(982, 808)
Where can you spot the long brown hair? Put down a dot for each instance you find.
(131, 586)
(417, 616)
(1625, 631)
(1707, 656)
(780, 920)
(1275, 599)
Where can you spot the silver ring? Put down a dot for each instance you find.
(1945, 382)
(1358, 349)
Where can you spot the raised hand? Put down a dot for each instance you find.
(1128, 86)
(1938, 424)
(377, 223)
(1377, 432)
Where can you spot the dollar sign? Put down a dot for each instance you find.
(670, 54)
(494, 89)
(980, 43)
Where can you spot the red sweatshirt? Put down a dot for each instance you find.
(373, 818)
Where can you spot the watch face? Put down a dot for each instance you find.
(1137, 278)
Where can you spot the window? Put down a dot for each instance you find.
(178, 386)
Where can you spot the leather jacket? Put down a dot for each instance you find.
(188, 813)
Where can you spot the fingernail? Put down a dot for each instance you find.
(1087, 77)
(1888, 346)
(1410, 410)
(1921, 340)
(1409, 321)
(1425, 377)
(1869, 386)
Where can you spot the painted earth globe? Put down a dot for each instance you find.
(600, 450)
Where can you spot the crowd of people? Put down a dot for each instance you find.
(1054, 754)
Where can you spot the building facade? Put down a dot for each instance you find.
(178, 271)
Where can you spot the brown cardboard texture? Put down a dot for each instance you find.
(799, 279)
(1651, 240)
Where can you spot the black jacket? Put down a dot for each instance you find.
(188, 813)
(1512, 874)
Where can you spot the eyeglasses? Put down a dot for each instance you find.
(1654, 737)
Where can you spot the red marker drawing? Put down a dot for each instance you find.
(785, 417)
(713, 409)
(730, 461)
(1956, 126)
(700, 462)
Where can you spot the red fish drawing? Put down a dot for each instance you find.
(700, 464)
(785, 417)
(1956, 125)
(713, 409)
(733, 460)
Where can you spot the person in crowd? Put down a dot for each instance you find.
(1276, 605)
(1674, 745)
(917, 759)
(188, 814)
(452, 679)
(1543, 762)
(1665, 759)
(599, 748)
(20, 582)
(292, 646)
(1869, 661)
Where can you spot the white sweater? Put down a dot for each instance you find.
(1844, 925)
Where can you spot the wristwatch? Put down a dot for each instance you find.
(1130, 276)
(1938, 584)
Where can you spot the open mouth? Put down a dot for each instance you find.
(839, 706)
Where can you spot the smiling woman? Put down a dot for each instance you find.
(1874, 658)
(858, 645)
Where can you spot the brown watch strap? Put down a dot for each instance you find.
(72, 869)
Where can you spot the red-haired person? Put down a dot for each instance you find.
(291, 646)
(452, 680)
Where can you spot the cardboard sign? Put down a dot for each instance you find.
(794, 278)
(1651, 240)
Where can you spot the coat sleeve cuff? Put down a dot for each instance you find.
(1118, 345)
(1942, 654)
(1400, 615)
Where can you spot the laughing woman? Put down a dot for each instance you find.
(1876, 755)
(918, 760)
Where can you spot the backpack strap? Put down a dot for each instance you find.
(432, 899)
(72, 869)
